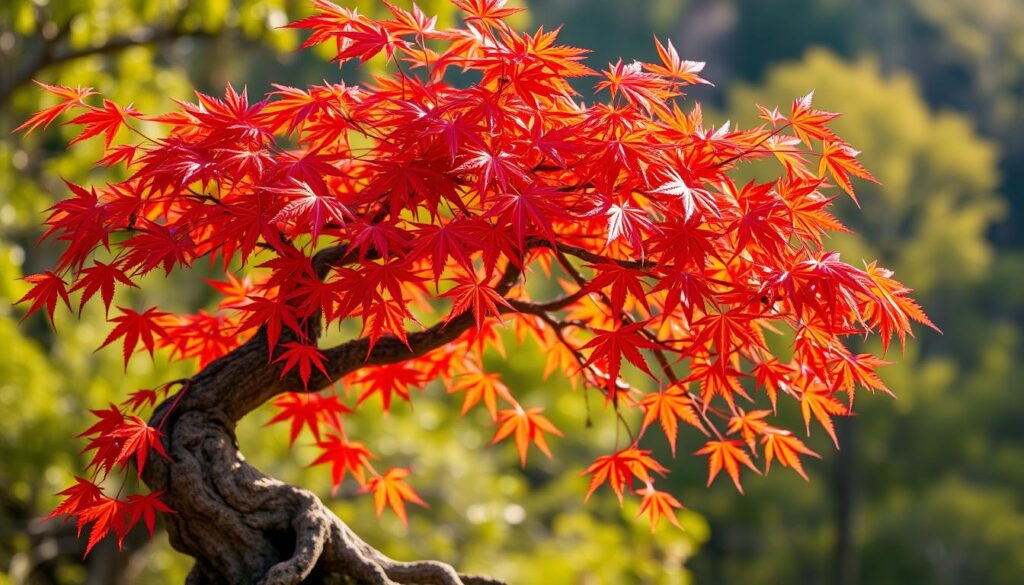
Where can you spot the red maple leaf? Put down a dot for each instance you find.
(102, 278)
(619, 470)
(365, 40)
(609, 347)
(77, 497)
(308, 410)
(344, 456)
(47, 289)
(158, 245)
(310, 210)
(645, 89)
(302, 356)
(136, 438)
(473, 295)
(140, 399)
(144, 507)
(106, 515)
(388, 381)
(70, 98)
(106, 120)
(623, 281)
(136, 327)
(410, 23)
(275, 313)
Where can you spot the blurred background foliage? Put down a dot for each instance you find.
(927, 488)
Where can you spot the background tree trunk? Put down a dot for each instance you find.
(845, 555)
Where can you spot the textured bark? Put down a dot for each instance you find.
(244, 527)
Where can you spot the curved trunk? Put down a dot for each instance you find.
(244, 527)
(241, 525)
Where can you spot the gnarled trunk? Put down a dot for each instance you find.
(244, 527)
(241, 525)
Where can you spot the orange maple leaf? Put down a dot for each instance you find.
(668, 408)
(658, 504)
(750, 425)
(528, 426)
(841, 162)
(391, 490)
(620, 468)
(479, 385)
(821, 403)
(728, 454)
(782, 445)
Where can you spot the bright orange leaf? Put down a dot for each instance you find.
(668, 407)
(823, 406)
(619, 470)
(657, 505)
(479, 385)
(727, 454)
(528, 426)
(782, 445)
(391, 490)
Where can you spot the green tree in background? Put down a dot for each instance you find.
(937, 196)
(963, 54)
(926, 490)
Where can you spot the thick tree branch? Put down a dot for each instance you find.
(261, 530)
(558, 304)
(588, 256)
(352, 355)
(53, 53)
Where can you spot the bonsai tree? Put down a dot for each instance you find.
(463, 190)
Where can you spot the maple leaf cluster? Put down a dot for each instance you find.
(117, 439)
(427, 190)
